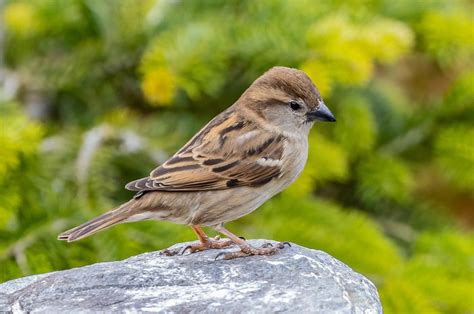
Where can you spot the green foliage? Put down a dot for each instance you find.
(19, 139)
(437, 278)
(94, 94)
(400, 296)
(460, 98)
(455, 155)
(441, 42)
(355, 114)
(328, 162)
(383, 177)
(349, 49)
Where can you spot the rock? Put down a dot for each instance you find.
(295, 280)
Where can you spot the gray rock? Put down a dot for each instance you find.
(296, 280)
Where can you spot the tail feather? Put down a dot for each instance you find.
(97, 224)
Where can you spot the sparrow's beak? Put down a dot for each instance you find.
(322, 113)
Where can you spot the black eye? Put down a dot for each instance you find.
(294, 105)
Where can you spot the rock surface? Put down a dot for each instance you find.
(296, 280)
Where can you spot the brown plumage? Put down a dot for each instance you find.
(240, 159)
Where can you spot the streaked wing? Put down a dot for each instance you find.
(228, 152)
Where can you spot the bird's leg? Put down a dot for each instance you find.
(245, 248)
(205, 243)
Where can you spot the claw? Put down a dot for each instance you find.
(242, 238)
(184, 249)
(219, 255)
(281, 245)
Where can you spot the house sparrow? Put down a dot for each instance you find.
(244, 156)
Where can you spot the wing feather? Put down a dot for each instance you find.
(228, 152)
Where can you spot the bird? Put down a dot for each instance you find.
(244, 156)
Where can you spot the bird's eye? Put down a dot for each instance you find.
(294, 105)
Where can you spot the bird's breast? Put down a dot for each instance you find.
(294, 159)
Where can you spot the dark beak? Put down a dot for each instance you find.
(322, 113)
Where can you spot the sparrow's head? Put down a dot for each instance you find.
(286, 98)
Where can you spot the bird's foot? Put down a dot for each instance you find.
(248, 250)
(210, 243)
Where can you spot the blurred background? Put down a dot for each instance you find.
(94, 94)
